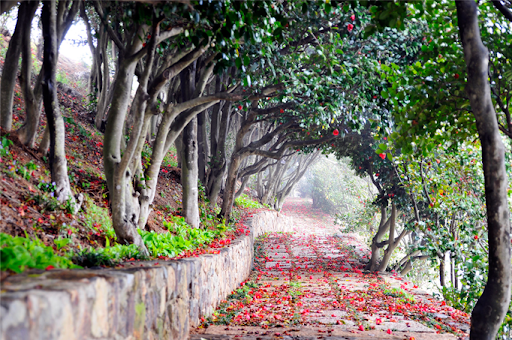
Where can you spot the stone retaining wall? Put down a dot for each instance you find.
(147, 300)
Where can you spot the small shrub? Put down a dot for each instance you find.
(246, 202)
(108, 256)
(21, 253)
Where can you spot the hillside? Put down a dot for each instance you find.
(29, 210)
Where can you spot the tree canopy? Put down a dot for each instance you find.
(416, 95)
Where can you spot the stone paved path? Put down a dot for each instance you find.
(309, 284)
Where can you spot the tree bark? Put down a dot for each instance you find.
(387, 253)
(221, 120)
(442, 271)
(493, 304)
(26, 13)
(44, 145)
(392, 242)
(202, 144)
(32, 96)
(58, 163)
(189, 155)
(383, 228)
(123, 198)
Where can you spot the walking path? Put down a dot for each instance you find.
(310, 284)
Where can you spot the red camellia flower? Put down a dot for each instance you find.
(476, 237)
(382, 155)
(336, 132)
(239, 107)
(361, 328)
(50, 267)
(282, 111)
(456, 76)
(350, 27)
(353, 17)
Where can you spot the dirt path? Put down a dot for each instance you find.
(309, 284)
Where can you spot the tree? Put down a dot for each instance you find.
(26, 13)
(58, 163)
(492, 306)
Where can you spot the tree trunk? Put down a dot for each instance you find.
(391, 244)
(189, 156)
(219, 128)
(383, 228)
(26, 13)
(202, 145)
(45, 142)
(259, 185)
(454, 273)
(493, 304)
(58, 163)
(125, 213)
(189, 175)
(103, 81)
(229, 192)
(242, 187)
(442, 274)
(32, 96)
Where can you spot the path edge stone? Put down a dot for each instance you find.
(158, 300)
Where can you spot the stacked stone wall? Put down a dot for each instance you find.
(146, 300)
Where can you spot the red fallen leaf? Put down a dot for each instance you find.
(50, 267)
